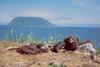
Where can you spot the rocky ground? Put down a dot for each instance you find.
(10, 58)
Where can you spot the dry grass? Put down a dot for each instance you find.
(10, 58)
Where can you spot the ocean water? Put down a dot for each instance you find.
(44, 33)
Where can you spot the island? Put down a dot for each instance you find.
(29, 22)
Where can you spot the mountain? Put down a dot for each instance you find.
(29, 22)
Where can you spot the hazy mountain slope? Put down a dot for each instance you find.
(29, 21)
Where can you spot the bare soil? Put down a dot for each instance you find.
(10, 58)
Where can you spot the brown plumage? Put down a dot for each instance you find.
(32, 49)
(57, 47)
(71, 43)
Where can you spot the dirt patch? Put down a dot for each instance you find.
(10, 58)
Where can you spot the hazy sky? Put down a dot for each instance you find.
(59, 12)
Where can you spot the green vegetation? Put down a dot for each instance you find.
(55, 39)
(12, 35)
(98, 50)
(20, 38)
(57, 65)
(31, 38)
(51, 39)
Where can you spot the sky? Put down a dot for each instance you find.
(59, 12)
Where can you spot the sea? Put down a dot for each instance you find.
(57, 32)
